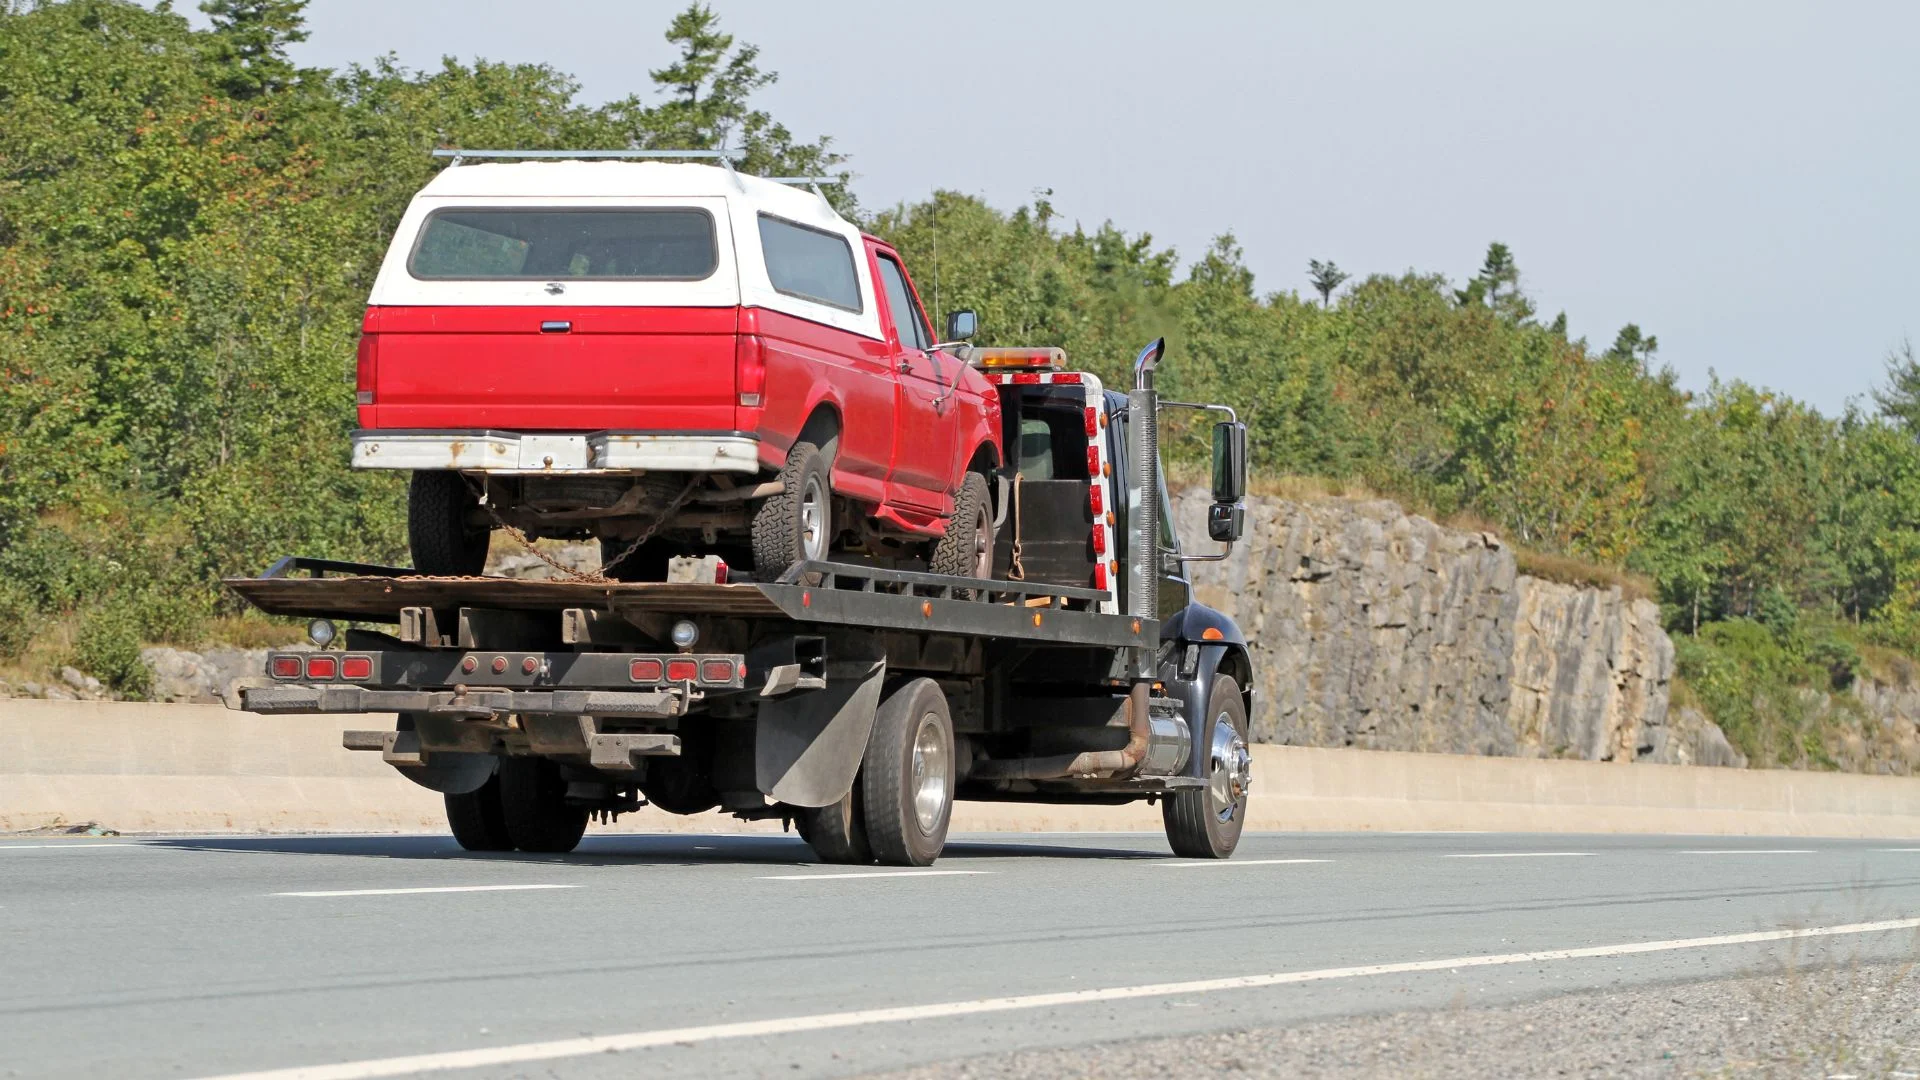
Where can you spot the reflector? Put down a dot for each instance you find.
(285, 667)
(646, 671)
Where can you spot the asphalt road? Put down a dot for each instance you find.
(690, 956)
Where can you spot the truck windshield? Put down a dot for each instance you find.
(515, 244)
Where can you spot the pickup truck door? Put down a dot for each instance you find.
(927, 420)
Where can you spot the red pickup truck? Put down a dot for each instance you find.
(675, 359)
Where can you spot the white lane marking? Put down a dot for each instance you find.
(78, 845)
(1239, 862)
(871, 874)
(1749, 851)
(787, 1025)
(415, 892)
(1900, 849)
(1516, 854)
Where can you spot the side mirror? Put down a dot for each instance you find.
(1229, 461)
(1226, 522)
(961, 325)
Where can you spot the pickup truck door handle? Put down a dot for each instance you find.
(556, 326)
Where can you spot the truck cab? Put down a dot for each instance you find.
(670, 358)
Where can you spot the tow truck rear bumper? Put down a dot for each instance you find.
(472, 704)
(542, 454)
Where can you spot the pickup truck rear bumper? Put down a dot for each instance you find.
(494, 451)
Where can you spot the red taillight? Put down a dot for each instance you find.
(647, 671)
(717, 671)
(321, 667)
(1093, 462)
(1100, 575)
(1094, 499)
(719, 571)
(682, 670)
(356, 667)
(1099, 540)
(1093, 423)
(750, 369)
(1066, 377)
(1026, 378)
(365, 364)
(285, 667)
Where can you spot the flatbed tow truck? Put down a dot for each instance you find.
(857, 702)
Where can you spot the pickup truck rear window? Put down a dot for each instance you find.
(811, 264)
(503, 244)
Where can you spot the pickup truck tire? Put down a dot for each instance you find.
(533, 802)
(440, 534)
(477, 819)
(1205, 822)
(967, 548)
(906, 777)
(836, 833)
(797, 524)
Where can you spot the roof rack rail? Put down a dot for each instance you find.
(724, 157)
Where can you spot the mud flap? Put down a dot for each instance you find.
(808, 746)
(445, 771)
(451, 773)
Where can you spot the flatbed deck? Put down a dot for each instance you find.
(841, 595)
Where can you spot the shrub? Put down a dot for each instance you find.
(108, 648)
(19, 620)
(56, 569)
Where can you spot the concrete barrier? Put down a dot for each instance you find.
(201, 768)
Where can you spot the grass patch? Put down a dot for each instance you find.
(1571, 570)
(1889, 666)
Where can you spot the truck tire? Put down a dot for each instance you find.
(967, 548)
(1205, 822)
(836, 833)
(797, 524)
(443, 541)
(906, 777)
(477, 819)
(533, 802)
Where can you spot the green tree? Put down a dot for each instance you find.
(249, 44)
(1326, 277)
(1899, 398)
(1630, 345)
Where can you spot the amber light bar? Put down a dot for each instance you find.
(1029, 359)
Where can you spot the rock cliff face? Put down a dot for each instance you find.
(1378, 629)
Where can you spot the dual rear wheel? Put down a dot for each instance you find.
(522, 807)
(901, 803)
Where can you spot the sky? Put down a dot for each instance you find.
(1740, 179)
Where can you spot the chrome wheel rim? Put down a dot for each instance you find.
(929, 774)
(813, 521)
(1230, 773)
